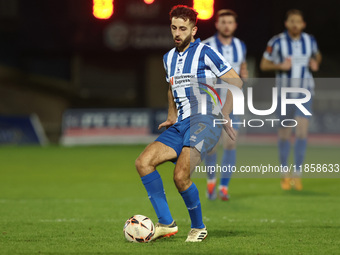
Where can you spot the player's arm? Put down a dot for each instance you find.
(222, 69)
(315, 61)
(271, 54)
(244, 70)
(316, 58)
(172, 111)
(231, 77)
(267, 65)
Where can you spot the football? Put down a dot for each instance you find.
(139, 229)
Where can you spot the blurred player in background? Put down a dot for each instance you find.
(189, 58)
(234, 51)
(294, 55)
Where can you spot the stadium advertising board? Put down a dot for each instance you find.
(110, 126)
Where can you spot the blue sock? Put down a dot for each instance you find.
(299, 152)
(284, 148)
(229, 160)
(154, 186)
(210, 160)
(192, 201)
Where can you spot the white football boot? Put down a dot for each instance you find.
(197, 234)
(162, 230)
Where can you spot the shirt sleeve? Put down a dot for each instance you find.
(244, 49)
(272, 50)
(166, 69)
(216, 62)
(315, 48)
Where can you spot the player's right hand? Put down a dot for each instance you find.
(286, 65)
(166, 124)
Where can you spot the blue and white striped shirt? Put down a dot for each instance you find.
(283, 46)
(198, 62)
(235, 53)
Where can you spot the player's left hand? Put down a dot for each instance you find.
(229, 129)
(314, 65)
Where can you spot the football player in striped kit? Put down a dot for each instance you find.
(293, 55)
(234, 51)
(189, 134)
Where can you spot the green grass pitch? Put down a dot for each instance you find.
(57, 200)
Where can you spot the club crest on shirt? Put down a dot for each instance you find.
(269, 49)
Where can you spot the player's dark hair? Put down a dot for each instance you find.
(226, 12)
(295, 12)
(184, 12)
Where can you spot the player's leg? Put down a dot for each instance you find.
(301, 133)
(210, 160)
(153, 155)
(199, 139)
(228, 160)
(300, 146)
(187, 160)
(284, 134)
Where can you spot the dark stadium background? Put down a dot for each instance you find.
(53, 54)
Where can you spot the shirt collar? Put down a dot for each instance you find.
(290, 39)
(219, 44)
(197, 41)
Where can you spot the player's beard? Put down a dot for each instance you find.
(224, 35)
(180, 46)
(295, 31)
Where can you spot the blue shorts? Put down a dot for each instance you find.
(293, 111)
(196, 131)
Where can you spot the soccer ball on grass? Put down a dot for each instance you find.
(139, 229)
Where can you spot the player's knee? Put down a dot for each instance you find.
(284, 136)
(138, 163)
(301, 135)
(231, 145)
(181, 180)
(141, 163)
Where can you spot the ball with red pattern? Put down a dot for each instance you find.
(139, 229)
